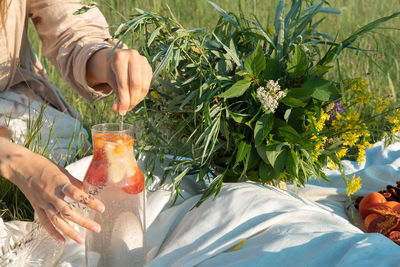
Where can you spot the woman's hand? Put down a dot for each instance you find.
(45, 185)
(127, 72)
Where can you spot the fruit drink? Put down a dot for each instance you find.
(115, 178)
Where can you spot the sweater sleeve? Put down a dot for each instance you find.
(69, 40)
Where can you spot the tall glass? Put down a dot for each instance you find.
(115, 178)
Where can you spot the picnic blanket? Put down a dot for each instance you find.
(246, 225)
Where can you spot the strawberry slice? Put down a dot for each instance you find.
(136, 183)
(97, 173)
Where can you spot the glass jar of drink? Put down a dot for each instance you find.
(115, 178)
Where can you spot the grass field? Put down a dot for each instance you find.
(380, 66)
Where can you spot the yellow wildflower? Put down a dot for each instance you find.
(341, 153)
(337, 122)
(271, 30)
(350, 126)
(353, 116)
(363, 98)
(358, 86)
(360, 155)
(319, 124)
(383, 103)
(354, 185)
(394, 119)
(154, 94)
(318, 147)
(350, 138)
(332, 165)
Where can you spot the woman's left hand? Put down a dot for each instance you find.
(127, 72)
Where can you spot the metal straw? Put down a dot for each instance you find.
(121, 122)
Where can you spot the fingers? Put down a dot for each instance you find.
(75, 182)
(59, 222)
(83, 198)
(147, 76)
(55, 215)
(72, 215)
(48, 226)
(120, 68)
(133, 75)
(135, 83)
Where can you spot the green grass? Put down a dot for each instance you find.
(380, 66)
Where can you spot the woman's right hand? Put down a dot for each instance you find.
(45, 185)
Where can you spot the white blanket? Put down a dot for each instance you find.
(246, 225)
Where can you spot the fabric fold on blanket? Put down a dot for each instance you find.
(254, 225)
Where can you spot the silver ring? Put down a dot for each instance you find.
(63, 188)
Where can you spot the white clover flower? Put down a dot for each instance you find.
(270, 96)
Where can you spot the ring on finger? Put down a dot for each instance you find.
(63, 187)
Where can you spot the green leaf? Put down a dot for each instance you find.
(153, 35)
(291, 163)
(254, 118)
(272, 69)
(224, 66)
(255, 63)
(232, 54)
(254, 159)
(263, 126)
(212, 139)
(319, 70)
(266, 172)
(293, 102)
(82, 10)
(214, 188)
(262, 152)
(243, 148)
(167, 58)
(237, 89)
(293, 12)
(224, 14)
(298, 63)
(181, 127)
(276, 155)
(289, 133)
(326, 93)
(333, 53)
(265, 35)
(279, 24)
(323, 90)
(297, 97)
(238, 117)
(296, 119)
(330, 10)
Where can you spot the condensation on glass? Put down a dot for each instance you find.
(115, 178)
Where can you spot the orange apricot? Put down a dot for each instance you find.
(369, 201)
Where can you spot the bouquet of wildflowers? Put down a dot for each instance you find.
(252, 102)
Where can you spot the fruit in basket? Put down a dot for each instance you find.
(369, 201)
(368, 220)
(380, 212)
(395, 236)
(384, 224)
(386, 207)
